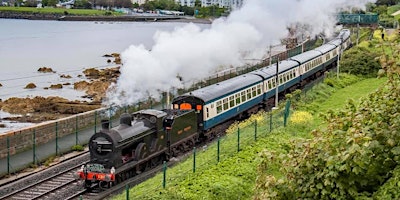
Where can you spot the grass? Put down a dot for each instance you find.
(85, 12)
(338, 99)
(234, 176)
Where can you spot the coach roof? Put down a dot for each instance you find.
(224, 88)
(306, 56)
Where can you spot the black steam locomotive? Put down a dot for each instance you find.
(148, 137)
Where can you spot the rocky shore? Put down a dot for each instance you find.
(39, 109)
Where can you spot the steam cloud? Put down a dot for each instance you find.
(192, 53)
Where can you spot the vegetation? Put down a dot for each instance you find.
(84, 7)
(354, 157)
(57, 11)
(77, 148)
(360, 61)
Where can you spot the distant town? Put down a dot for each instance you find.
(199, 8)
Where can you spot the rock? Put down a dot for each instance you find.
(40, 109)
(65, 76)
(81, 85)
(45, 70)
(56, 86)
(30, 86)
(91, 73)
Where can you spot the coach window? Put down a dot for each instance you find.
(231, 101)
(225, 102)
(258, 89)
(207, 113)
(269, 84)
(219, 106)
(243, 96)
(248, 91)
(237, 97)
(254, 91)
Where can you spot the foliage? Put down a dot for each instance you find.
(77, 148)
(360, 61)
(82, 4)
(56, 11)
(360, 144)
(390, 190)
(49, 161)
(387, 2)
(302, 118)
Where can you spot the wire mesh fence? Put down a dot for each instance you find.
(208, 156)
(58, 137)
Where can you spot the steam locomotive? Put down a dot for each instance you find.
(146, 138)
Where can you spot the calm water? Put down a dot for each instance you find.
(66, 47)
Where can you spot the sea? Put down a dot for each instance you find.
(67, 47)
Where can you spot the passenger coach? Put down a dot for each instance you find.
(222, 101)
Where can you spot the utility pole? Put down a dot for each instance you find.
(277, 83)
(339, 54)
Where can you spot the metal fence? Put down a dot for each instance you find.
(55, 138)
(219, 150)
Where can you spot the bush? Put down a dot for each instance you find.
(360, 61)
(77, 148)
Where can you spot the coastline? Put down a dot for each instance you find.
(123, 18)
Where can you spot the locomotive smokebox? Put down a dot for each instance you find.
(105, 124)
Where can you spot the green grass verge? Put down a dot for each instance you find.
(84, 12)
(235, 175)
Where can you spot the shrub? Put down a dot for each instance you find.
(77, 148)
(360, 61)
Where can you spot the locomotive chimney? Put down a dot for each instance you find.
(105, 124)
(126, 119)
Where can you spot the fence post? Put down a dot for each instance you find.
(270, 121)
(8, 155)
(255, 130)
(95, 121)
(76, 131)
(56, 138)
(109, 117)
(238, 139)
(34, 146)
(164, 174)
(194, 159)
(127, 191)
(218, 150)
(286, 114)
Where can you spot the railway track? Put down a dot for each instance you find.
(56, 182)
(53, 187)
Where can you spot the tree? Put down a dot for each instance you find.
(49, 2)
(387, 2)
(85, 4)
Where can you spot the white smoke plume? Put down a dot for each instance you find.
(192, 53)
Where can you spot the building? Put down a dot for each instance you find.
(233, 4)
(139, 2)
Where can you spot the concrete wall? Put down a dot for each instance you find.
(24, 139)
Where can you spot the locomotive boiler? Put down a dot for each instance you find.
(142, 140)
